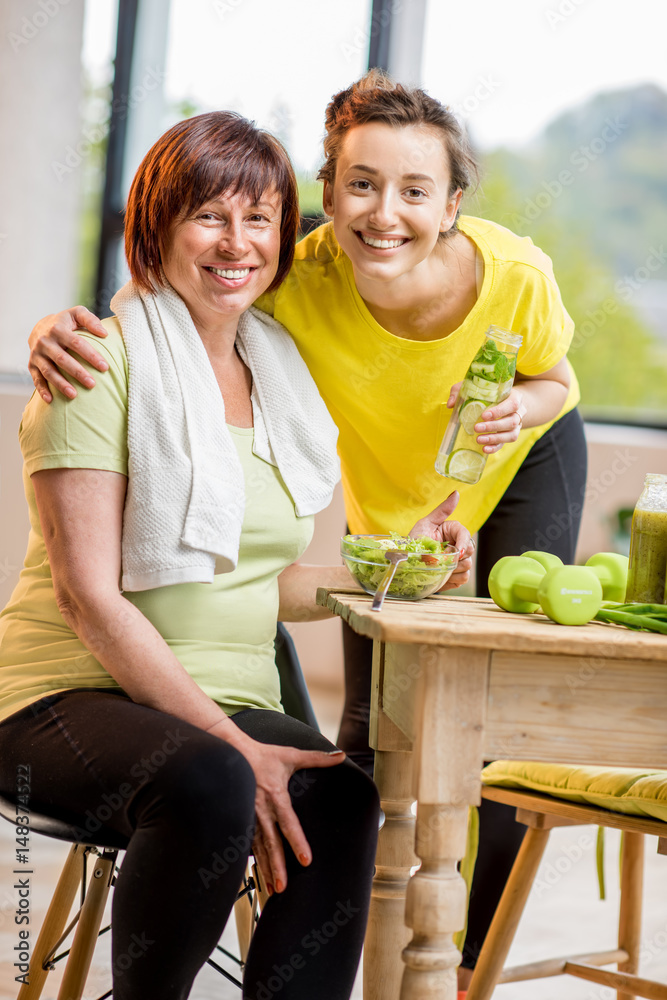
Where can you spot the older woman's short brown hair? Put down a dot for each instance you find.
(194, 161)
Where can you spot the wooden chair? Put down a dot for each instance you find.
(541, 813)
(101, 857)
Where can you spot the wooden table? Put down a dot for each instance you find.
(457, 681)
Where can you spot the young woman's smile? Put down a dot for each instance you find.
(390, 199)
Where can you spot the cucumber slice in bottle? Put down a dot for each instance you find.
(483, 383)
(504, 389)
(479, 388)
(482, 368)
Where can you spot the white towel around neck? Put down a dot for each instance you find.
(186, 492)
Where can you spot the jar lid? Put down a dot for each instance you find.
(505, 336)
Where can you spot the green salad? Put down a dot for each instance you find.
(427, 568)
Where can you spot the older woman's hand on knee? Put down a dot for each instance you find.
(273, 767)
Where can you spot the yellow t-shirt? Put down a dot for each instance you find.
(223, 633)
(388, 394)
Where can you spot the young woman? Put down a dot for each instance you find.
(388, 304)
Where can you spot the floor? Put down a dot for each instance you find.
(564, 913)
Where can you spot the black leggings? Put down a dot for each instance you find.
(184, 799)
(541, 509)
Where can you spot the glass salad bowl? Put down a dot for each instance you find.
(428, 566)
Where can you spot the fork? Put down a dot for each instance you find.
(394, 557)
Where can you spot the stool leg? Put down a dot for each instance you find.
(87, 929)
(243, 914)
(506, 919)
(55, 922)
(630, 917)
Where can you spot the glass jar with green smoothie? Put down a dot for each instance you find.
(489, 379)
(648, 544)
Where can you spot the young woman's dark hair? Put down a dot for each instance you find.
(376, 98)
(196, 160)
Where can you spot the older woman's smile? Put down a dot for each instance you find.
(234, 273)
(230, 276)
(223, 255)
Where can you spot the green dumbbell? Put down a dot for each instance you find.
(611, 570)
(546, 559)
(569, 595)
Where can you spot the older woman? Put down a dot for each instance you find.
(191, 475)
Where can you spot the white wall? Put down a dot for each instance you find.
(618, 459)
(13, 509)
(40, 98)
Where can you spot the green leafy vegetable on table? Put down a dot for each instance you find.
(645, 617)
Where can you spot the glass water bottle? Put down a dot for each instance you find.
(648, 544)
(489, 379)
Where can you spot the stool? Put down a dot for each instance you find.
(89, 916)
(87, 920)
(551, 795)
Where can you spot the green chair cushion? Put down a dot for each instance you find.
(620, 789)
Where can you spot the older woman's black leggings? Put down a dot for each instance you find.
(185, 801)
(541, 509)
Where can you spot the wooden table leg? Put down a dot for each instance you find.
(387, 935)
(451, 704)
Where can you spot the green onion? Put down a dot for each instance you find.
(645, 617)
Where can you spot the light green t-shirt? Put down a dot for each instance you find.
(222, 632)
